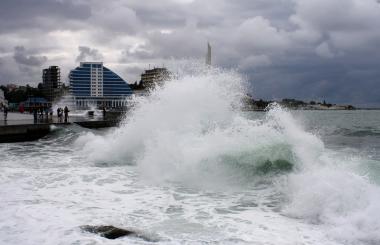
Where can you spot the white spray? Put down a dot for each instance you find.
(192, 127)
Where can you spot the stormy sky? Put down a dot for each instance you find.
(306, 49)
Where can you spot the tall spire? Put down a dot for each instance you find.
(208, 56)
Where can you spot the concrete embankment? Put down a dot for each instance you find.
(22, 128)
(30, 132)
(23, 132)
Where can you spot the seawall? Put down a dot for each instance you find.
(23, 132)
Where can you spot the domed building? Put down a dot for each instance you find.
(93, 84)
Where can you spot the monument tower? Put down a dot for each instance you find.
(208, 55)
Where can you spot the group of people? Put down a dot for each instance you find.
(40, 112)
(61, 112)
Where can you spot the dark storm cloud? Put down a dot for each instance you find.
(88, 54)
(318, 79)
(51, 14)
(21, 57)
(315, 49)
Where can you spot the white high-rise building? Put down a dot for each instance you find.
(96, 79)
(94, 84)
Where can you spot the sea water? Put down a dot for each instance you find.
(189, 166)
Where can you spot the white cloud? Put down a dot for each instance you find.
(324, 51)
(346, 24)
(337, 15)
(258, 36)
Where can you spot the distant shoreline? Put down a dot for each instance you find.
(296, 109)
(294, 104)
(368, 109)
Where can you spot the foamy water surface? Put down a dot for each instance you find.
(187, 166)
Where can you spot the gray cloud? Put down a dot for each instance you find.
(88, 54)
(48, 14)
(122, 19)
(136, 53)
(21, 57)
(287, 48)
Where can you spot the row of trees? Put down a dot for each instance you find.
(22, 93)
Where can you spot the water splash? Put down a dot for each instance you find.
(192, 130)
(69, 101)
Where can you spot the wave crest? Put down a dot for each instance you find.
(192, 129)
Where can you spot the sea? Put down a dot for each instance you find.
(188, 165)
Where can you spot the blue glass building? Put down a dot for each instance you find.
(93, 84)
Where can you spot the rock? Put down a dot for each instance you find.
(112, 232)
(108, 231)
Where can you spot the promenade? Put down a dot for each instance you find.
(27, 121)
(22, 127)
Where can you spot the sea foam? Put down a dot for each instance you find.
(193, 130)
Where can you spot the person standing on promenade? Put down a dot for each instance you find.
(34, 114)
(51, 113)
(5, 113)
(46, 111)
(66, 111)
(58, 113)
(41, 113)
